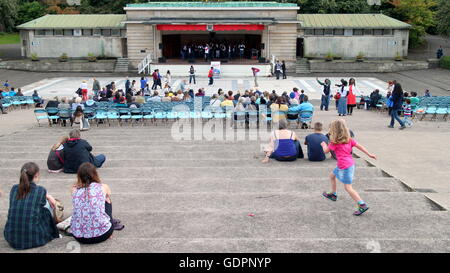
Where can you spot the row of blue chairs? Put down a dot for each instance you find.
(15, 102)
(153, 115)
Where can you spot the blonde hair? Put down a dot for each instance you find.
(339, 133)
(62, 140)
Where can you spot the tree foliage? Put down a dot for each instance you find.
(8, 13)
(29, 11)
(418, 13)
(443, 17)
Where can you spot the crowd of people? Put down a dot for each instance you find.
(32, 220)
(214, 50)
(285, 145)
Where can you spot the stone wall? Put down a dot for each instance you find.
(350, 46)
(366, 66)
(52, 65)
(75, 47)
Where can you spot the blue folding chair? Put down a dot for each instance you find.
(136, 115)
(40, 114)
(52, 113)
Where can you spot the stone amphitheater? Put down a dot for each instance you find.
(216, 196)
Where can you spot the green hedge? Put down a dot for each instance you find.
(445, 62)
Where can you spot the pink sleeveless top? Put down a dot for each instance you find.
(89, 218)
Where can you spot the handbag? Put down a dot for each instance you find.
(84, 124)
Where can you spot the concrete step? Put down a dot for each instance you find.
(275, 172)
(217, 184)
(242, 245)
(281, 225)
(194, 161)
(126, 201)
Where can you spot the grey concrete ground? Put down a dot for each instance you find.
(197, 196)
(436, 80)
(10, 52)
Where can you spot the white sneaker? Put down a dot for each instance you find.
(64, 225)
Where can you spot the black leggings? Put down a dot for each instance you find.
(104, 237)
(350, 109)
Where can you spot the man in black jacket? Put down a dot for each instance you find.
(78, 151)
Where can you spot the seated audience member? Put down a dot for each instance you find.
(19, 93)
(414, 99)
(92, 221)
(305, 106)
(30, 222)
(103, 97)
(252, 106)
(55, 159)
(77, 116)
(374, 97)
(240, 107)
(77, 103)
(117, 97)
(64, 106)
(37, 99)
(228, 102)
(133, 103)
(77, 151)
(139, 98)
(279, 109)
(187, 97)
(155, 97)
(52, 103)
(313, 141)
(200, 93)
(215, 101)
(166, 97)
(90, 102)
(122, 103)
(284, 144)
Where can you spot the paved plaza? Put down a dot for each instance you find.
(67, 86)
(216, 196)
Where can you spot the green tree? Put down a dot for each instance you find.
(333, 6)
(443, 17)
(29, 11)
(8, 13)
(418, 13)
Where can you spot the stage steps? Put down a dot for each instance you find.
(194, 196)
(302, 66)
(121, 65)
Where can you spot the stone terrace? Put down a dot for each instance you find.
(193, 196)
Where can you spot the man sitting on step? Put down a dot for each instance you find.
(78, 151)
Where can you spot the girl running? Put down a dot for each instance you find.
(341, 143)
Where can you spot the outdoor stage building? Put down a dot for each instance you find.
(158, 30)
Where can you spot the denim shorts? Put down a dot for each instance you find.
(345, 175)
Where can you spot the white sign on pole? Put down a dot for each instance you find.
(216, 68)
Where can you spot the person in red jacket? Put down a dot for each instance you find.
(211, 76)
(351, 97)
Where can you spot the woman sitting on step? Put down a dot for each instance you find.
(92, 220)
(284, 145)
(55, 160)
(30, 222)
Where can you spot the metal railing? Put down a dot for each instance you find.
(144, 65)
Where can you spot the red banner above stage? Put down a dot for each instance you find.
(204, 27)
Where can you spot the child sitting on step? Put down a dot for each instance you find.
(341, 143)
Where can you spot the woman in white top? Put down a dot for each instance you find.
(168, 78)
